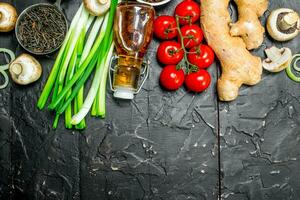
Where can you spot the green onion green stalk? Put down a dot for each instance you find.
(87, 48)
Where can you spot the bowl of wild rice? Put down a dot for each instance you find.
(154, 2)
(41, 28)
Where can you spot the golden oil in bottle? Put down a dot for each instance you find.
(127, 73)
(133, 27)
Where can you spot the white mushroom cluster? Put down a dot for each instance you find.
(8, 17)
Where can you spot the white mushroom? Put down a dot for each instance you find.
(25, 69)
(97, 7)
(277, 59)
(283, 24)
(8, 17)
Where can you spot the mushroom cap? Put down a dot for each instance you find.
(280, 61)
(8, 17)
(25, 69)
(97, 7)
(273, 28)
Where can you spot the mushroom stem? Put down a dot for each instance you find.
(277, 59)
(102, 1)
(288, 21)
(273, 53)
(17, 68)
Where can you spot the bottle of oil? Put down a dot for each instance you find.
(133, 29)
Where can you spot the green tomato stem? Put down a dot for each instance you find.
(188, 64)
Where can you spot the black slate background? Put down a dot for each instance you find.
(160, 146)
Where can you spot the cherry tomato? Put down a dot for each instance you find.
(169, 53)
(171, 78)
(165, 27)
(189, 12)
(202, 56)
(198, 81)
(192, 35)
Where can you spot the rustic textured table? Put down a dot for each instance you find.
(162, 145)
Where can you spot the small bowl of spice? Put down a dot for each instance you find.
(41, 28)
(154, 2)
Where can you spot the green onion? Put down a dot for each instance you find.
(100, 96)
(79, 99)
(56, 67)
(102, 106)
(56, 120)
(70, 72)
(87, 68)
(95, 84)
(293, 64)
(83, 50)
(106, 42)
(83, 25)
(58, 88)
(70, 49)
(94, 111)
(91, 39)
(84, 70)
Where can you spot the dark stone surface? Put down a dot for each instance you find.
(5, 129)
(160, 146)
(260, 134)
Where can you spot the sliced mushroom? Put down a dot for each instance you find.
(25, 69)
(97, 7)
(283, 24)
(277, 59)
(8, 17)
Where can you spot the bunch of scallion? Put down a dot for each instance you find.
(88, 48)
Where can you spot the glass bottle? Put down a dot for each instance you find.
(133, 28)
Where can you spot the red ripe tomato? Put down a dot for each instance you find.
(198, 81)
(188, 11)
(192, 35)
(202, 56)
(171, 78)
(170, 53)
(165, 27)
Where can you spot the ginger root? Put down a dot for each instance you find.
(248, 26)
(238, 65)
